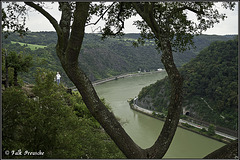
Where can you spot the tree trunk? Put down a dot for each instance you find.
(7, 79)
(68, 52)
(6, 69)
(102, 114)
(68, 49)
(15, 75)
(159, 149)
(229, 151)
(69, 59)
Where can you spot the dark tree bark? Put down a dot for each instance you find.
(68, 49)
(6, 68)
(159, 149)
(229, 151)
(15, 79)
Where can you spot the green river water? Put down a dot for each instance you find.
(143, 129)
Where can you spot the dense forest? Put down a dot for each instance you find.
(47, 116)
(210, 86)
(44, 118)
(99, 58)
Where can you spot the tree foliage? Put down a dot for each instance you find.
(100, 59)
(55, 123)
(13, 19)
(171, 19)
(18, 62)
(211, 130)
(210, 77)
(70, 39)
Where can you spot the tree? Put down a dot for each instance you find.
(211, 130)
(52, 123)
(175, 30)
(13, 19)
(19, 62)
(5, 66)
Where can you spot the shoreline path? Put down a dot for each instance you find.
(149, 112)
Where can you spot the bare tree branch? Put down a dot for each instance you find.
(52, 20)
(101, 15)
(190, 9)
(119, 19)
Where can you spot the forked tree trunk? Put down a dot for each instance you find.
(68, 49)
(69, 59)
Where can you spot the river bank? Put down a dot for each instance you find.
(123, 76)
(144, 129)
(101, 81)
(184, 124)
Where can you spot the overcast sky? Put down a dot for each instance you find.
(37, 22)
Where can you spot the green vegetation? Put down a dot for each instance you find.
(211, 130)
(210, 86)
(54, 122)
(167, 23)
(99, 59)
(161, 116)
(31, 46)
(12, 64)
(41, 58)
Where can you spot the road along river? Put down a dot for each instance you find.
(143, 129)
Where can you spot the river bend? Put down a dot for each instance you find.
(143, 129)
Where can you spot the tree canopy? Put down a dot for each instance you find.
(161, 20)
(54, 123)
(99, 59)
(13, 19)
(19, 62)
(210, 77)
(70, 31)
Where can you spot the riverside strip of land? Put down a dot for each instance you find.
(101, 81)
(123, 76)
(181, 121)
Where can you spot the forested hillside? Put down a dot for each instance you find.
(210, 86)
(44, 118)
(99, 59)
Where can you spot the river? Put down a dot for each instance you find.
(143, 129)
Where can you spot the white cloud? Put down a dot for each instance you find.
(228, 26)
(37, 22)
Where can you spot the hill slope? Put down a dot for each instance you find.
(210, 86)
(101, 59)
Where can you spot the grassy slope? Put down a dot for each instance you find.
(31, 46)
